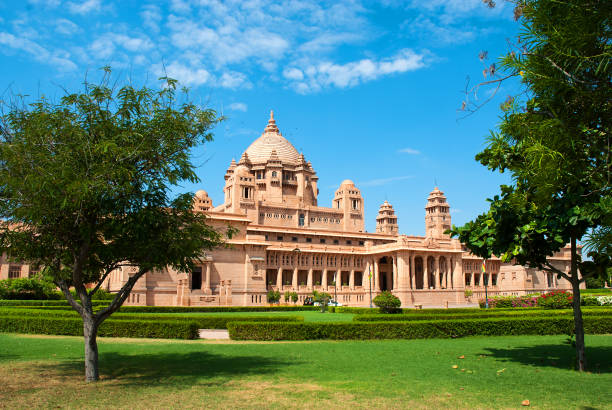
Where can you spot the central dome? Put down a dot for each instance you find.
(272, 140)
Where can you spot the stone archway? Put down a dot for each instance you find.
(418, 272)
(385, 275)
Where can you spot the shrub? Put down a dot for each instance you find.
(515, 313)
(273, 296)
(287, 296)
(27, 289)
(387, 302)
(503, 302)
(294, 297)
(163, 329)
(589, 301)
(58, 303)
(322, 298)
(605, 300)
(558, 299)
(414, 330)
(204, 309)
(468, 293)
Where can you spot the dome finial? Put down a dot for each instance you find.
(271, 127)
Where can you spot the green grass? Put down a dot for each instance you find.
(596, 292)
(499, 372)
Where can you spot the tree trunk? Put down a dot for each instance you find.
(90, 331)
(578, 323)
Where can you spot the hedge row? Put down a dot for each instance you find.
(62, 303)
(479, 315)
(204, 309)
(161, 329)
(203, 322)
(414, 329)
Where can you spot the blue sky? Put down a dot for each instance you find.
(367, 90)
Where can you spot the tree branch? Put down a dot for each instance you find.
(120, 297)
(551, 268)
(66, 291)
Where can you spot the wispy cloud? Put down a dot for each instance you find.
(383, 181)
(411, 151)
(59, 59)
(84, 7)
(238, 106)
(313, 78)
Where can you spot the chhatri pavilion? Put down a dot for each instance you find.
(287, 242)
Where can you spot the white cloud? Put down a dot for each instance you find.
(105, 46)
(438, 32)
(409, 151)
(233, 79)
(151, 17)
(65, 26)
(328, 74)
(238, 106)
(58, 59)
(84, 7)
(293, 74)
(383, 181)
(185, 75)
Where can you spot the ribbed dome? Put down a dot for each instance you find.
(271, 140)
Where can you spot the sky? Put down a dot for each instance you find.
(369, 91)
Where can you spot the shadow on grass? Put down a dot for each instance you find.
(562, 356)
(174, 368)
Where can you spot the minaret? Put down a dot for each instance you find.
(271, 127)
(386, 221)
(437, 215)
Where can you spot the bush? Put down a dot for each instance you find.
(294, 297)
(605, 300)
(57, 303)
(322, 298)
(558, 299)
(387, 302)
(414, 330)
(589, 301)
(163, 329)
(204, 309)
(504, 302)
(273, 296)
(27, 289)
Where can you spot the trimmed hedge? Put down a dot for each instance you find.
(203, 322)
(481, 315)
(415, 329)
(204, 309)
(7, 302)
(161, 329)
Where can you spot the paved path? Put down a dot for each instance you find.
(213, 334)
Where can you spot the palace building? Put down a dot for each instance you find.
(286, 241)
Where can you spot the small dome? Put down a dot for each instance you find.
(241, 170)
(347, 182)
(201, 194)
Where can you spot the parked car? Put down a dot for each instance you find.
(334, 303)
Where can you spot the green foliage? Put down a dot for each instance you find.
(415, 329)
(294, 297)
(504, 302)
(162, 329)
(273, 296)
(468, 293)
(387, 302)
(62, 304)
(287, 296)
(27, 289)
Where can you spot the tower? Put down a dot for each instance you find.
(437, 215)
(348, 199)
(386, 221)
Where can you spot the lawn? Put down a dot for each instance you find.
(496, 372)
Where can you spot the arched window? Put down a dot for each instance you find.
(273, 174)
(301, 220)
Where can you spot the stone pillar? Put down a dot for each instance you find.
(279, 278)
(376, 276)
(365, 279)
(426, 272)
(207, 289)
(294, 279)
(309, 282)
(324, 279)
(352, 280)
(412, 272)
(458, 280)
(394, 276)
(436, 272)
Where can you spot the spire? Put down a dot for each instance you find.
(271, 127)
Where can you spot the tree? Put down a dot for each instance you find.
(388, 302)
(85, 190)
(556, 144)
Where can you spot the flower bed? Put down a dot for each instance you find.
(558, 299)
